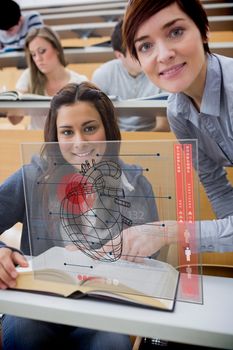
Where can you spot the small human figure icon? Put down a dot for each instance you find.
(187, 252)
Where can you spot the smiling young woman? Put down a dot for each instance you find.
(70, 175)
(170, 40)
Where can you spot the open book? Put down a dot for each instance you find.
(13, 95)
(61, 272)
(157, 97)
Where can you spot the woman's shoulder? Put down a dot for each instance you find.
(226, 67)
(36, 167)
(75, 77)
(224, 60)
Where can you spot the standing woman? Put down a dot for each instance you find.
(170, 40)
(46, 73)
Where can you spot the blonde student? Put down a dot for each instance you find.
(46, 73)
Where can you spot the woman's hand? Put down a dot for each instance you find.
(8, 273)
(143, 241)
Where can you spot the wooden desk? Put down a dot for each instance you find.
(217, 23)
(83, 17)
(29, 5)
(79, 8)
(218, 9)
(209, 324)
(220, 23)
(124, 108)
(84, 30)
(93, 54)
(222, 48)
(212, 9)
(73, 55)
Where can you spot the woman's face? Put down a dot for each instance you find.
(78, 125)
(44, 55)
(170, 49)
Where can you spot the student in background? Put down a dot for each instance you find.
(46, 73)
(123, 78)
(170, 40)
(78, 112)
(14, 25)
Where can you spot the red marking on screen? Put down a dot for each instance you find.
(78, 193)
(81, 277)
(185, 207)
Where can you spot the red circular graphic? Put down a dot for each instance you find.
(78, 193)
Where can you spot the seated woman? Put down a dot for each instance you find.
(46, 73)
(78, 113)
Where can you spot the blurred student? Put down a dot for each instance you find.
(46, 73)
(123, 78)
(14, 25)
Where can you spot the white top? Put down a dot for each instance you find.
(38, 119)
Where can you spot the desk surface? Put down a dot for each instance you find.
(123, 108)
(85, 30)
(209, 324)
(80, 7)
(38, 4)
(92, 54)
(83, 17)
(214, 9)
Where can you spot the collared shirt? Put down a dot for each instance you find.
(213, 128)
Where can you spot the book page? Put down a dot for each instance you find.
(9, 95)
(16, 95)
(61, 271)
(153, 278)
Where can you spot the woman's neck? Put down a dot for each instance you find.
(196, 90)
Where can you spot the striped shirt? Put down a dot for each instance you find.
(17, 41)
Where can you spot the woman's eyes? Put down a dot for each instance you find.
(144, 47)
(67, 132)
(176, 33)
(86, 130)
(40, 52)
(90, 129)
